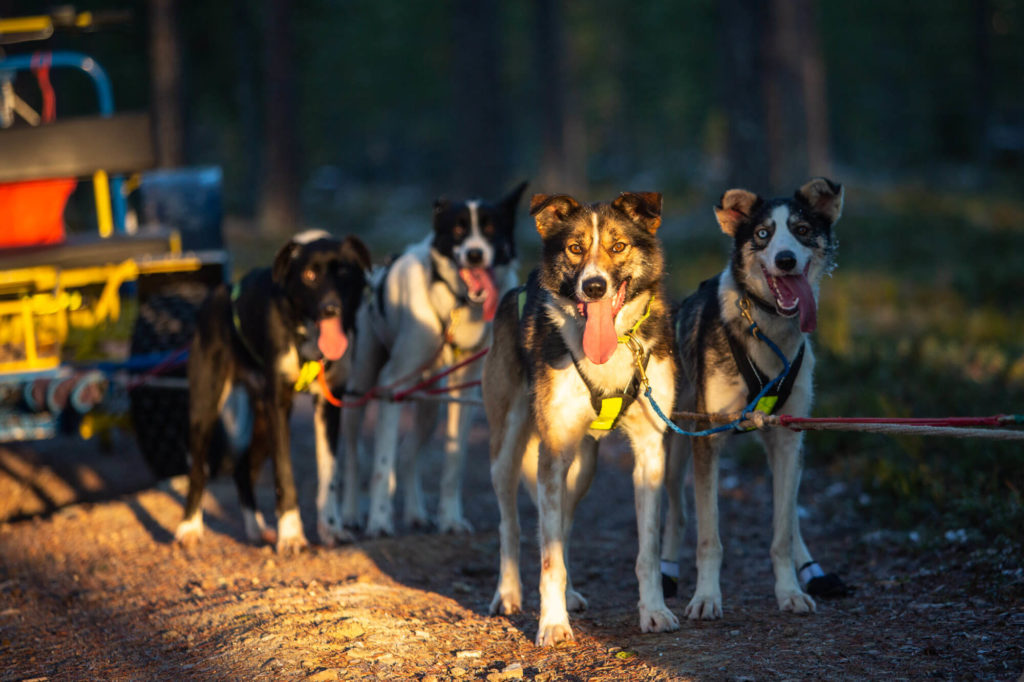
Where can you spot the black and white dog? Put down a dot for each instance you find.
(781, 249)
(430, 307)
(258, 337)
(570, 353)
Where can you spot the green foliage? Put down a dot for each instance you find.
(922, 318)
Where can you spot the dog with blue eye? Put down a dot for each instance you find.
(781, 249)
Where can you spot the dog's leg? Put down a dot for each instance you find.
(326, 418)
(382, 482)
(190, 531)
(368, 354)
(449, 516)
(785, 455)
(510, 441)
(678, 448)
(290, 536)
(210, 384)
(554, 617)
(706, 603)
(410, 453)
(648, 478)
(247, 472)
(351, 426)
(578, 480)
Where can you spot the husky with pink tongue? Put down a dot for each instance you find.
(565, 369)
(429, 308)
(781, 249)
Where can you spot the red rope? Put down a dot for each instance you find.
(429, 381)
(168, 363)
(41, 68)
(378, 391)
(449, 389)
(995, 420)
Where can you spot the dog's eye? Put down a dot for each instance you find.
(309, 275)
(801, 230)
(459, 230)
(575, 249)
(763, 233)
(618, 247)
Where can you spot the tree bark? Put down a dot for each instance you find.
(741, 88)
(563, 134)
(795, 103)
(165, 72)
(279, 196)
(479, 135)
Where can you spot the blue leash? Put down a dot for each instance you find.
(759, 335)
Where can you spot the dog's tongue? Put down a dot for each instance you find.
(599, 337)
(331, 341)
(479, 280)
(793, 287)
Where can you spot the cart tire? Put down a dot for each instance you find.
(166, 323)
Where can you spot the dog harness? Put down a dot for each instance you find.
(309, 370)
(756, 379)
(610, 407)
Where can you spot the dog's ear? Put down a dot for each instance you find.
(283, 261)
(551, 209)
(823, 197)
(734, 207)
(353, 249)
(644, 208)
(441, 204)
(511, 199)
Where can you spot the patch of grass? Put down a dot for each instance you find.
(923, 317)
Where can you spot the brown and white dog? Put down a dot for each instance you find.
(781, 248)
(562, 373)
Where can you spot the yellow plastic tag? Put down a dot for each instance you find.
(307, 375)
(765, 405)
(610, 408)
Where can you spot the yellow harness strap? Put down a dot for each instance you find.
(307, 375)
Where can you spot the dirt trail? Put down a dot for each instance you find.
(97, 590)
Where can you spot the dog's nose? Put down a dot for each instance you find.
(475, 256)
(595, 287)
(330, 310)
(785, 260)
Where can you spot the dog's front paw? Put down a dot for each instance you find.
(657, 619)
(332, 535)
(454, 525)
(290, 538)
(507, 601)
(189, 532)
(379, 528)
(796, 602)
(574, 601)
(705, 607)
(549, 634)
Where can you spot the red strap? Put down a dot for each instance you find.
(41, 68)
(322, 379)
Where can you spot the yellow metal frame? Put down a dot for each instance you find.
(42, 301)
(40, 24)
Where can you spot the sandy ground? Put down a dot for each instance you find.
(92, 587)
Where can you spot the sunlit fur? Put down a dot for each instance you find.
(420, 319)
(539, 408)
(710, 381)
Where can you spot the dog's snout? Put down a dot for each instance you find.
(595, 287)
(328, 310)
(785, 260)
(475, 256)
